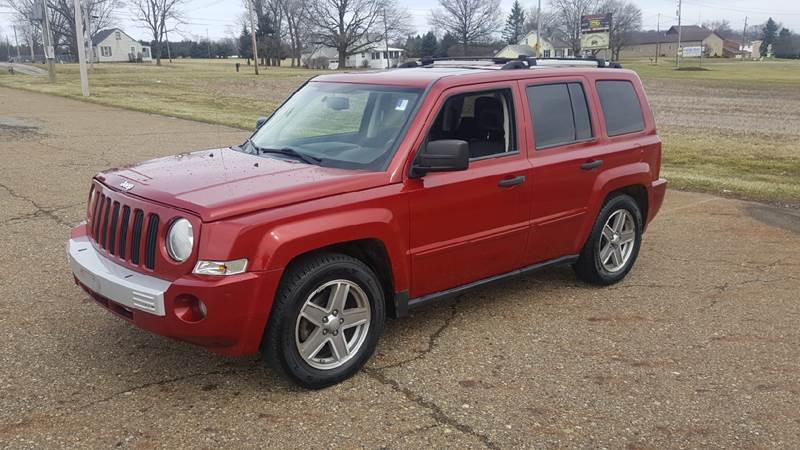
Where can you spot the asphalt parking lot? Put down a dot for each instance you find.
(698, 347)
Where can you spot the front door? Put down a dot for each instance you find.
(472, 224)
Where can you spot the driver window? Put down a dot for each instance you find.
(484, 119)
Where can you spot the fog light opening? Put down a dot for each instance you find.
(189, 308)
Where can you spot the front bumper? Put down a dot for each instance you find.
(237, 306)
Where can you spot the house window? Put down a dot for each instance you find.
(105, 51)
(133, 50)
(145, 52)
(546, 53)
(118, 35)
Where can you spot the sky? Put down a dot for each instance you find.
(221, 18)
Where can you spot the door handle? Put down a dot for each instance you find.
(592, 164)
(509, 182)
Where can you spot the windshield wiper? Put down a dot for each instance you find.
(288, 151)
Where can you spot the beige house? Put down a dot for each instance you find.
(646, 45)
(114, 45)
(526, 46)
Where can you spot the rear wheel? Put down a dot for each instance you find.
(326, 320)
(612, 247)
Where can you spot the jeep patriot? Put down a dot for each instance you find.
(367, 194)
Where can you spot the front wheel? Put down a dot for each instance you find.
(613, 245)
(326, 320)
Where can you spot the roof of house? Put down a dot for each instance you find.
(689, 33)
(102, 35)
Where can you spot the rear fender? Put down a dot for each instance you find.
(609, 181)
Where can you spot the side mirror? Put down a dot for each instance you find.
(261, 121)
(446, 155)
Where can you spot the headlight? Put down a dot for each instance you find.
(220, 268)
(180, 240)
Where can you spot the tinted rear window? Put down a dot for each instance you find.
(559, 112)
(621, 108)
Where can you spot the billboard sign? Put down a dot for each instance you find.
(594, 23)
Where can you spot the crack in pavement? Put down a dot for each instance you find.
(41, 210)
(163, 382)
(432, 339)
(436, 412)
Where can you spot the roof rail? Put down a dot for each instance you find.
(520, 62)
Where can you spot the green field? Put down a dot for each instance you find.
(733, 129)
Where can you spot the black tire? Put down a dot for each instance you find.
(588, 267)
(301, 279)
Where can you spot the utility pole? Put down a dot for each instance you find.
(166, 36)
(16, 44)
(253, 34)
(49, 47)
(658, 37)
(386, 38)
(80, 37)
(538, 28)
(679, 51)
(208, 41)
(744, 33)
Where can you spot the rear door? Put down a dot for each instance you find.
(569, 150)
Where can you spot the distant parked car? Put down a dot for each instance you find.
(365, 195)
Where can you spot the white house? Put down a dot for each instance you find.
(114, 45)
(373, 56)
(526, 46)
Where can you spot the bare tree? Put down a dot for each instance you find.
(350, 26)
(297, 26)
(548, 19)
(62, 17)
(568, 14)
(722, 27)
(153, 15)
(470, 21)
(626, 19)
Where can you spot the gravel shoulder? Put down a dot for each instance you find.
(698, 347)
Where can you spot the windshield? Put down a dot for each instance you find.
(341, 124)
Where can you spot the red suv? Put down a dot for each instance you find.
(367, 194)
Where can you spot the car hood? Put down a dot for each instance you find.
(220, 183)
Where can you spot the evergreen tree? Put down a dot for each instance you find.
(429, 45)
(783, 44)
(770, 35)
(245, 44)
(447, 44)
(515, 24)
(412, 46)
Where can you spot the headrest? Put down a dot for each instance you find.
(489, 112)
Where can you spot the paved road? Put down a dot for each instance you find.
(699, 347)
(22, 68)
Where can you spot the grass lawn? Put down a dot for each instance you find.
(733, 129)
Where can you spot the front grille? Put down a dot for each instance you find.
(120, 230)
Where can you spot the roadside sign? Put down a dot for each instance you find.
(595, 22)
(594, 41)
(692, 52)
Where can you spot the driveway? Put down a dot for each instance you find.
(698, 347)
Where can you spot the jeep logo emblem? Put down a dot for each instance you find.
(126, 185)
